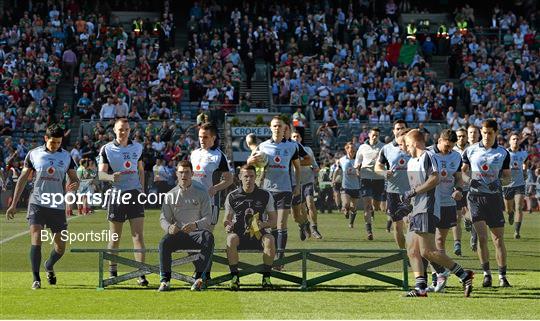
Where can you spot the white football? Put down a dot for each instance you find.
(263, 156)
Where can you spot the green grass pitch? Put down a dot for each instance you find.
(352, 297)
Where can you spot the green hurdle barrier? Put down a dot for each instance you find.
(291, 255)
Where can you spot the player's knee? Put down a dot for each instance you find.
(268, 242)
(429, 254)
(232, 240)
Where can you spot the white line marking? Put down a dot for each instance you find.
(26, 232)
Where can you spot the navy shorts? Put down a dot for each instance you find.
(510, 192)
(448, 217)
(282, 200)
(53, 218)
(354, 193)
(392, 202)
(122, 212)
(487, 208)
(250, 243)
(373, 188)
(423, 223)
(463, 201)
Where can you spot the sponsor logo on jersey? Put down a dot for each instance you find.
(127, 164)
(401, 161)
(277, 159)
(50, 170)
(515, 165)
(444, 173)
(485, 167)
(198, 167)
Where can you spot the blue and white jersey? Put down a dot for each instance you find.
(447, 166)
(50, 171)
(465, 185)
(517, 159)
(486, 166)
(349, 173)
(208, 165)
(306, 172)
(123, 160)
(277, 177)
(419, 169)
(396, 161)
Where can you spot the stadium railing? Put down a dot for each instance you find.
(295, 255)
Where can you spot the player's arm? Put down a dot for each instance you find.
(73, 182)
(272, 214)
(140, 167)
(358, 159)
(506, 176)
(305, 158)
(458, 183)
(381, 165)
(229, 214)
(226, 177)
(19, 188)
(296, 164)
(465, 167)
(103, 168)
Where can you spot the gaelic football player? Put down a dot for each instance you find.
(448, 190)
(515, 191)
(50, 164)
(120, 163)
(461, 204)
(371, 182)
(350, 183)
(423, 179)
(249, 212)
(393, 162)
(280, 154)
(485, 161)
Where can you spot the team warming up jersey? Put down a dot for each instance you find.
(366, 156)
(486, 165)
(277, 177)
(248, 206)
(50, 170)
(123, 160)
(349, 174)
(419, 169)
(208, 165)
(517, 159)
(396, 161)
(447, 166)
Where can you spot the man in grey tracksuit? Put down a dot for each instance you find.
(186, 217)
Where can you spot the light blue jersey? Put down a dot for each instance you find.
(349, 173)
(517, 159)
(123, 160)
(486, 166)
(396, 161)
(447, 165)
(277, 177)
(50, 171)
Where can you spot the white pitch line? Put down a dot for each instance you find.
(26, 232)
